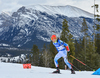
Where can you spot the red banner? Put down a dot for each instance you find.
(27, 66)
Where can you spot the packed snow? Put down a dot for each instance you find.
(12, 70)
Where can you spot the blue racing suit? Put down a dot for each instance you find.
(62, 52)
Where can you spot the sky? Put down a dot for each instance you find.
(14, 5)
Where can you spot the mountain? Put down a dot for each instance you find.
(17, 59)
(10, 70)
(68, 10)
(35, 24)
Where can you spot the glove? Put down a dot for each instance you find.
(67, 48)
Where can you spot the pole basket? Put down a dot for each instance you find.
(27, 66)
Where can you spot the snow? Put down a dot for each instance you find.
(7, 13)
(19, 45)
(67, 10)
(43, 38)
(0, 22)
(10, 70)
(1, 29)
(9, 58)
(3, 44)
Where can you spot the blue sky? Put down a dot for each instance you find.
(13, 5)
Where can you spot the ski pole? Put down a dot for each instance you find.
(80, 62)
(77, 60)
(74, 66)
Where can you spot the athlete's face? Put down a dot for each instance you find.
(54, 40)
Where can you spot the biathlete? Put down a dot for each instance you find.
(62, 49)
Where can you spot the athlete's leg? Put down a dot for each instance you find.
(64, 55)
(56, 63)
(67, 63)
(58, 55)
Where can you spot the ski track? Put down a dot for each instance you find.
(10, 70)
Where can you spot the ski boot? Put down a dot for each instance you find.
(57, 71)
(72, 71)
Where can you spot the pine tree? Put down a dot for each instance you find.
(35, 57)
(66, 37)
(87, 53)
(92, 57)
(98, 43)
(98, 29)
(41, 59)
(52, 51)
(46, 57)
(78, 47)
(85, 37)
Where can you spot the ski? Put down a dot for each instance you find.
(55, 73)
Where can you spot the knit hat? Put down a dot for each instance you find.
(53, 37)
